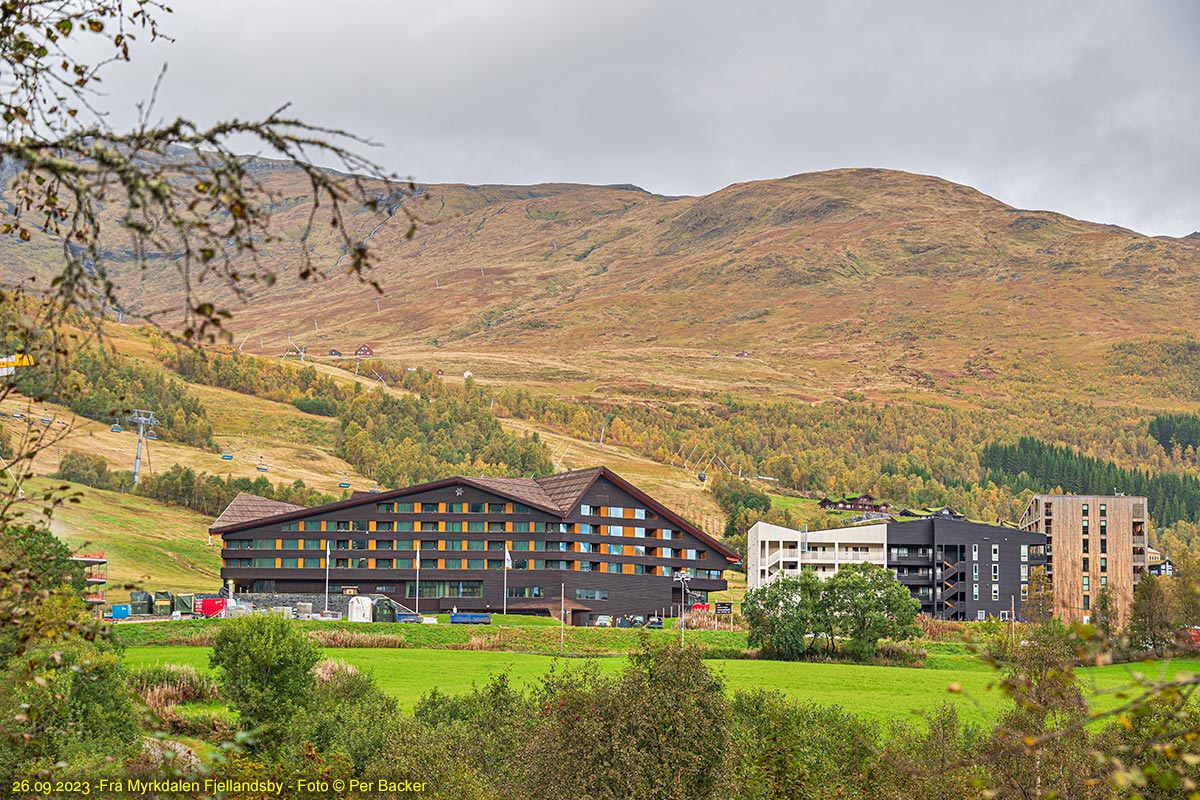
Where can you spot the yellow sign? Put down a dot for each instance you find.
(9, 364)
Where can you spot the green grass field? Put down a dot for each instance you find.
(148, 544)
(881, 693)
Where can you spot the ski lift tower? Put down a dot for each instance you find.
(142, 419)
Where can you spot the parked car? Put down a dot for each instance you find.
(654, 622)
(637, 621)
(623, 622)
(603, 621)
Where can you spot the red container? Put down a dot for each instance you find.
(212, 606)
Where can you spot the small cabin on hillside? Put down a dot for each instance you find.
(945, 512)
(364, 351)
(855, 502)
(335, 353)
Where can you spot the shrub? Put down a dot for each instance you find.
(349, 715)
(264, 664)
(899, 654)
(165, 685)
(781, 749)
(938, 630)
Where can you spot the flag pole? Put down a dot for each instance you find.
(327, 559)
(507, 567)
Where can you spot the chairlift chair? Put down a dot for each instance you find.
(18, 414)
(227, 454)
(116, 428)
(152, 436)
(45, 420)
(344, 483)
(262, 465)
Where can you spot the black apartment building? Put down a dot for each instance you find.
(964, 570)
(586, 540)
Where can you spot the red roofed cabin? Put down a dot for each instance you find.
(363, 351)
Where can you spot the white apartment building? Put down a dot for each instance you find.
(772, 550)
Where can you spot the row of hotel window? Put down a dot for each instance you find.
(996, 554)
(467, 563)
(438, 589)
(505, 508)
(689, 553)
(447, 589)
(1087, 587)
(1085, 510)
(1025, 570)
(925, 552)
(459, 526)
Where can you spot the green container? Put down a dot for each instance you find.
(185, 603)
(383, 611)
(142, 607)
(162, 608)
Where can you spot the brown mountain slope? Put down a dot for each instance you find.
(870, 280)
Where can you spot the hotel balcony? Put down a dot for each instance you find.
(911, 558)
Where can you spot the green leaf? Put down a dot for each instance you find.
(64, 26)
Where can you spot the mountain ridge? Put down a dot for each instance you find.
(848, 279)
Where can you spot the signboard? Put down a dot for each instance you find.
(725, 608)
(9, 363)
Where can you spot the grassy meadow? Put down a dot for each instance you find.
(878, 693)
(147, 544)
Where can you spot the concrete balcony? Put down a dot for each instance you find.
(846, 558)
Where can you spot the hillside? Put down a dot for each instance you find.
(871, 280)
(147, 545)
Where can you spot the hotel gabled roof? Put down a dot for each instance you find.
(248, 507)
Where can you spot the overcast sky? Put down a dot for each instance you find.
(1088, 108)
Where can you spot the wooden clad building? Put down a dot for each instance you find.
(1092, 542)
(587, 540)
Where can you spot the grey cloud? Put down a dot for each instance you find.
(1088, 108)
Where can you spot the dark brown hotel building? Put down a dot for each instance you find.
(586, 539)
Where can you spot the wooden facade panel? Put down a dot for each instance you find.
(1062, 519)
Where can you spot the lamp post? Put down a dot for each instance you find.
(682, 577)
